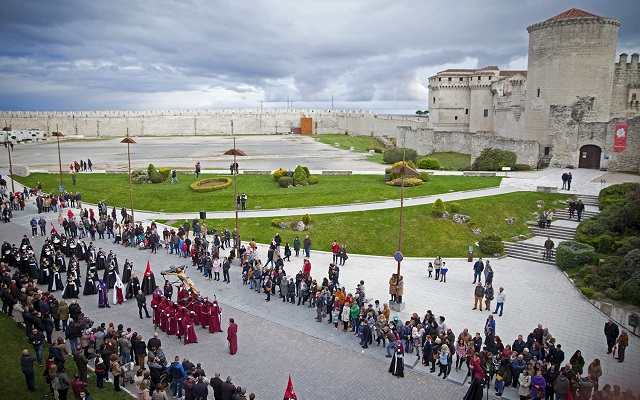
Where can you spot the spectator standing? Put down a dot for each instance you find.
(478, 267)
(611, 332)
(501, 297)
(26, 364)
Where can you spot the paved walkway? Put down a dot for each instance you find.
(536, 293)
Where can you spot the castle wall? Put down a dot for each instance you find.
(481, 112)
(626, 84)
(568, 58)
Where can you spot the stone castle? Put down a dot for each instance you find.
(570, 99)
(572, 106)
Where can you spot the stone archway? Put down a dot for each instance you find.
(589, 156)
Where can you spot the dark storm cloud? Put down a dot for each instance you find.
(373, 54)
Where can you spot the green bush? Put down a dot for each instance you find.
(210, 184)
(617, 193)
(438, 208)
(625, 245)
(165, 172)
(494, 159)
(299, 176)
(150, 169)
(279, 173)
(465, 168)
(491, 244)
(285, 181)
(156, 177)
(396, 175)
(572, 254)
(276, 222)
(306, 219)
(306, 171)
(313, 180)
(408, 182)
(521, 167)
(632, 264)
(424, 177)
(587, 292)
(613, 294)
(630, 292)
(604, 244)
(395, 154)
(428, 163)
(454, 207)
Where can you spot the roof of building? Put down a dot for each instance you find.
(573, 13)
(509, 74)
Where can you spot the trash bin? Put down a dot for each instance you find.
(203, 215)
(633, 320)
(470, 254)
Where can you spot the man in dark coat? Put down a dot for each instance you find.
(227, 389)
(611, 331)
(81, 362)
(26, 364)
(216, 384)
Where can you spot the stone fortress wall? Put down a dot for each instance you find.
(199, 122)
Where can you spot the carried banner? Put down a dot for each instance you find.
(620, 138)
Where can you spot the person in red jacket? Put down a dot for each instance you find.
(335, 249)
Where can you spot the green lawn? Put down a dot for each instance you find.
(455, 161)
(376, 232)
(262, 191)
(360, 144)
(12, 380)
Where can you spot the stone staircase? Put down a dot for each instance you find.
(555, 232)
(528, 251)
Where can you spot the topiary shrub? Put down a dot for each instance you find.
(428, 163)
(396, 175)
(494, 159)
(424, 177)
(408, 182)
(150, 168)
(210, 184)
(454, 207)
(299, 176)
(285, 181)
(571, 254)
(156, 177)
(438, 208)
(313, 180)
(521, 167)
(165, 172)
(276, 222)
(395, 154)
(306, 219)
(491, 244)
(279, 173)
(306, 171)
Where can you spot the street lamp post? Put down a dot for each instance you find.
(6, 131)
(129, 142)
(235, 152)
(58, 135)
(403, 170)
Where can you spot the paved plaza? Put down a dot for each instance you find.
(277, 339)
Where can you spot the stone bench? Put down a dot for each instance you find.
(479, 173)
(116, 172)
(547, 189)
(257, 172)
(337, 172)
(21, 170)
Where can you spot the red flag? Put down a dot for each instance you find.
(148, 272)
(620, 137)
(290, 394)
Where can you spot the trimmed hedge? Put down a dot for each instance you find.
(165, 172)
(454, 207)
(521, 167)
(491, 244)
(276, 222)
(494, 159)
(285, 181)
(395, 154)
(571, 254)
(306, 219)
(299, 176)
(428, 163)
(210, 184)
(313, 180)
(154, 175)
(438, 208)
(424, 177)
(279, 173)
(408, 182)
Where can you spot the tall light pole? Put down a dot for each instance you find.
(6, 131)
(129, 142)
(58, 135)
(235, 152)
(403, 170)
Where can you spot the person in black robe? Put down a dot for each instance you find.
(57, 241)
(112, 258)
(55, 282)
(101, 260)
(72, 248)
(149, 281)
(59, 262)
(44, 276)
(132, 287)
(103, 295)
(6, 252)
(91, 283)
(32, 267)
(397, 361)
(127, 271)
(109, 276)
(71, 291)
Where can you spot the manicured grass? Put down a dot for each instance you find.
(376, 232)
(262, 191)
(12, 380)
(455, 161)
(360, 144)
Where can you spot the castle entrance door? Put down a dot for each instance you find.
(590, 156)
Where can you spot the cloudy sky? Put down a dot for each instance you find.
(163, 54)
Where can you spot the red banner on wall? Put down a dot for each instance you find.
(620, 138)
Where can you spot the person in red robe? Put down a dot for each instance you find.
(232, 336)
(189, 330)
(171, 323)
(204, 313)
(191, 302)
(182, 296)
(178, 321)
(197, 310)
(162, 304)
(164, 318)
(214, 317)
(155, 302)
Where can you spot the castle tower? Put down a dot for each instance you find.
(570, 55)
